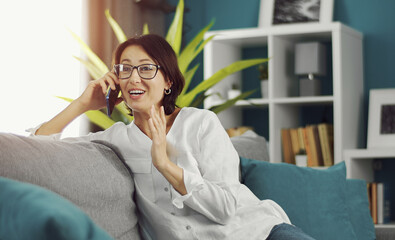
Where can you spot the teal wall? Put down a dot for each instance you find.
(373, 18)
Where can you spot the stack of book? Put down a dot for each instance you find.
(379, 202)
(315, 141)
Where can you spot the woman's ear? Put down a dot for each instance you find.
(169, 84)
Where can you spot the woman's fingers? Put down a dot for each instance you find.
(152, 127)
(103, 86)
(114, 77)
(158, 121)
(110, 79)
(162, 114)
(154, 117)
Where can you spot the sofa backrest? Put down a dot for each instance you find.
(88, 174)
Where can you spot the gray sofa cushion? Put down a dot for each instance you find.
(88, 174)
(251, 145)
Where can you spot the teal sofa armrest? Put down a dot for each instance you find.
(28, 211)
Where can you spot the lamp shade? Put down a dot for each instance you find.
(310, 58)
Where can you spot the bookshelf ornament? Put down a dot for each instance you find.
(234, 92)
(310, 61)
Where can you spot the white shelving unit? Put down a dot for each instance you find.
(284, 105)
(360, 166)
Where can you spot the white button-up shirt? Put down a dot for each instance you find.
(216, 206)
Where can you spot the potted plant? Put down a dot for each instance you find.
(264, 78)
(189, 97)
(234, 92)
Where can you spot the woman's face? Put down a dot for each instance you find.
(140, 94)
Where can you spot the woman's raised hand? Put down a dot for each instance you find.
(158, 130)
(157, 125)
(93, 98)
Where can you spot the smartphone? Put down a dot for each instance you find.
(111, 99)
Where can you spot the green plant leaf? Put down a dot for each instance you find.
(188, 78)
(121, 36)
(186, 99)
(66, 99)
(93, 71)
(145, 29)
(198, 101)
(229, 103)
(174, 34)
(125, 112)
(100, 119)
(90, 54)
(118, 116)
(95, 116)
(190, 51)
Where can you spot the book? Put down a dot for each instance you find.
(307, 147)
(312, 161)
(301, 140)
(295, 140)
(325, 131)
(383, 204)
(374, 201)
(288, 154)
(320, 160)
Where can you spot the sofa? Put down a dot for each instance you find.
(84, 190)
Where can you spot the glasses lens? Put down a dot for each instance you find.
(147, 71)
(123, 71)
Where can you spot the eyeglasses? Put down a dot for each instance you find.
(145, 71)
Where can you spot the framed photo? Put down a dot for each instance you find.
(278, 12)
(381, 122)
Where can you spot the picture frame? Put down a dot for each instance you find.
(381, 121)
(271, 12)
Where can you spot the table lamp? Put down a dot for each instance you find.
(310, 61)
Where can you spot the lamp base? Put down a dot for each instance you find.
(309, 87)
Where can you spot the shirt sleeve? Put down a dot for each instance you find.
(33, 130)
(101, 135)
(212, 190)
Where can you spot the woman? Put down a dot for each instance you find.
(184, 165)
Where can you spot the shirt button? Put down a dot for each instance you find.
(188, 227)
(166, 189)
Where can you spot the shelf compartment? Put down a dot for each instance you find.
(360, 161)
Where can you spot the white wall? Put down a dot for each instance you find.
(36, 62)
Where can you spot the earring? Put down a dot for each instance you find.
(168, 91)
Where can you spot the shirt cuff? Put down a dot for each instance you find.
(33, 131)
(193, 182)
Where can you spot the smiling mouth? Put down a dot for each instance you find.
(136, 92)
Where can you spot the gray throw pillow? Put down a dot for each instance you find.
(251, 145)
(89, 174)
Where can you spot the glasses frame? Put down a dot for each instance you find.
(138, 70)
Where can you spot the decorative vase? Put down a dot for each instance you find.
(301, 160)
(264, 88)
